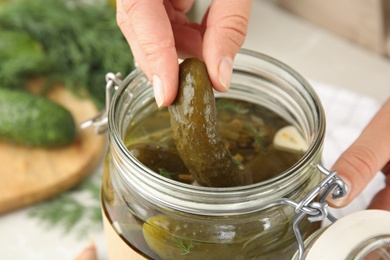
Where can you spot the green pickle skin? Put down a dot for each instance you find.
(196, 132)
(174, 239)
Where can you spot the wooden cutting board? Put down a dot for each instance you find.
(29, 175)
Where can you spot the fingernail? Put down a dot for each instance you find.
(158, 89)
(225, 70)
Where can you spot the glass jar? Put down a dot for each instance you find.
(149, 216)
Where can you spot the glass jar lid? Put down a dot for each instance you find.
(360, 235)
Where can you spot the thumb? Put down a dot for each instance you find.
(226, 28)
(382, 198)
(365, 157)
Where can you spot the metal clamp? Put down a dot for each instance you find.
(315, 210)
(318, 211)
(100, 121)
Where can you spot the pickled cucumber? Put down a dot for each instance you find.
(175, 240)
(220, 239)
(196, 132)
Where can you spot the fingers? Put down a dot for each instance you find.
(382, 198)
(366, 156)
(182, 5)
(155, 28)
(147, 28)
(226, 28)
(176, 10)
(188, 39)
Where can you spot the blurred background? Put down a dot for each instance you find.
(345, 43)
(341, 47)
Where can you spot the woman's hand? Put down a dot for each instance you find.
(159, 33)
(368, 155)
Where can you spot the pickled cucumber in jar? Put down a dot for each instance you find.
(211, 142)
(223, 142)
(197, 134)
(216, 239)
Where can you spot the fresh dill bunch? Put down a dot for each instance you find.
(75, 211)
(81, 41)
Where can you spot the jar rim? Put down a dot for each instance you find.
(247, 190)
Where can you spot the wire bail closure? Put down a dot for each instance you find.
(318, 211)
(100, 121)
(315, 210)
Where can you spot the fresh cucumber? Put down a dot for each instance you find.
(32, 120)
(21, 56)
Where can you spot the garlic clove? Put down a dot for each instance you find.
(289, 139)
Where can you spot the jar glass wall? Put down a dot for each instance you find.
(160, 218)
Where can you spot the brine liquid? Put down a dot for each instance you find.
(160, 234)
(248, 129)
